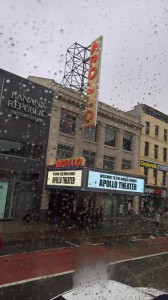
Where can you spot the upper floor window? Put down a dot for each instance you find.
(146, 174)
(64, 151)
(67, 122)
(126, 164)
(155, 176)
(146, 150)
(164, 178)
(108, 163)
(147, 127)
(156, 131)
(90, 134)
(14, 148)
(164, 154)
(127, 141)
(110, 136)
(89, 157)
(165, 135)
(156, 151)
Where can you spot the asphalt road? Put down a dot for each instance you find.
(36, 245)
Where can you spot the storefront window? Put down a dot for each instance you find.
(14, 148)
(90, 158)
(126, 164)
(110, 136)
(127, 142)
(108, 163)
(64, 151)
(67, 122)
(90, 134)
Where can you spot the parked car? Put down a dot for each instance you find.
(111, 290)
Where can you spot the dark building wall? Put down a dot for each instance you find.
(25, 109)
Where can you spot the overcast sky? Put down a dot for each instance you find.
(34, 37)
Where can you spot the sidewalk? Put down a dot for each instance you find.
(34, 230)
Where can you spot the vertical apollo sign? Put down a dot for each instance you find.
(93, 83)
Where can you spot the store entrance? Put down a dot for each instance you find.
(62, 207)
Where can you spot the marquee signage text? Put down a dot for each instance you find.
(152, 165)
(26, 107)
(115, 182)
(71, 162)
(64, 178)
(93, 82)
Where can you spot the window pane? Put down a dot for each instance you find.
(164, 154)
(108, 163)
(67, 123)
(156, 151)
(90, 134)
(127, 142)
(165, 135)
(146, 151)
(147, 127)
(156, 130)
(64, 152)
(126, 164)
(89, 157)
(14, 148)
(146, 174)
(110, 136)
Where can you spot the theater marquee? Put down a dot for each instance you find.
(115, 182)
(71, 178)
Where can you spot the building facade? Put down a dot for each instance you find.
(153, 156)
(24, 126)
(111, 146)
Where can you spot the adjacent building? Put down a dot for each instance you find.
(111, 150)
(153, 155)
(24, 127)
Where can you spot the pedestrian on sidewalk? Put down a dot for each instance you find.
(158, 218)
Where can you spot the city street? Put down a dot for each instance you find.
(50, 272)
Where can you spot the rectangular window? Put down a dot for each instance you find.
(164, 178)
(127, 141)
(64, 152)
(90, 134)
(155, 177)
(126, 164)
(146, 150)
(67, 122)
(165, 135)
(146, 174)
(14, 148)
(89, 157)
(108, 163)
(110, 136)
(164, 154)
(147, 128)
(155, 151)
(156, 131)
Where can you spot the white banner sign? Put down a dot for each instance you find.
(64, 178)
(115, 182)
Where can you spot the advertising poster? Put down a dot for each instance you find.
(3, 195)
